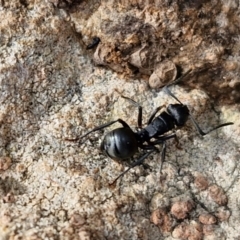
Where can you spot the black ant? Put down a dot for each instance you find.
(122, 143)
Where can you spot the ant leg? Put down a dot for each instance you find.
(162, 156)
(106, 125)
(178, 79)
(166, 88)
(200, 131)
(138, 162)
(101, 127)
(152, 149)
(162, 140)
(139, 110)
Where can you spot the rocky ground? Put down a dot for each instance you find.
(54, 89)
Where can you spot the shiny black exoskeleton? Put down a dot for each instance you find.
(122, 143)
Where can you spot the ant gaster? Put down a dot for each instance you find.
(122, 143)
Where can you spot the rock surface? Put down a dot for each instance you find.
(52, 92)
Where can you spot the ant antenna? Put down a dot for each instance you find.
(200, 131)
(124, 124)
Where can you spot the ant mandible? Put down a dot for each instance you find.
(122, 143)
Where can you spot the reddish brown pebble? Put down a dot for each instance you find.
(77, 220)
(9, 198)
(5, 163)
(182, 231)
(139, 58)
(201, 182)
(218, 195)
(207, 219)
(181, 209)
(20, 168)
(161, 219)
(192, 231)
(196, 231)
(164, 73)
(223, 214)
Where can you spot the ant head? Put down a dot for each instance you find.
(179, 112)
